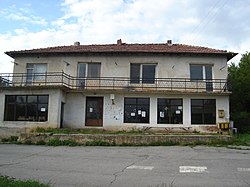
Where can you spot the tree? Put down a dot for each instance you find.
(239, 78)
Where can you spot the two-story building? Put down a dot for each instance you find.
(117, 86)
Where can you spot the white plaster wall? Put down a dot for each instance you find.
(167, 66)
(113, 113)
(74, 110)
(55, 98)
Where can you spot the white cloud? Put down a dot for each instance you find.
(217, 24)
(22, 14)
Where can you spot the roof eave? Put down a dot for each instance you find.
(14, 54)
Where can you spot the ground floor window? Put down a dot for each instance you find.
(169, 111)
(136, 110)
(203, 111)
(26, 108)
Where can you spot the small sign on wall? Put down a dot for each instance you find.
(143, 114)
(43, 109)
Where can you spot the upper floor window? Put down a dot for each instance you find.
(144, 73)
(88, 70)
(200, 72)
(36, 72)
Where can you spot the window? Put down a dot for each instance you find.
(203, 111)
(36, 72)
(200, 72)
(169, 111)
(26, 108)
(136, 110)
(94, 70)
(145, 71)
(88, 70)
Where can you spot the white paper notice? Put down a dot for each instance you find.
(139, 112)
(90, 109)
(179, 107)
(132, 114)
(143, 114)
(178, 112)
(43, 109)
(162, 114)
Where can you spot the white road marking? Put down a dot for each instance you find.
(193, 169)
(140, 167)
(243, 169)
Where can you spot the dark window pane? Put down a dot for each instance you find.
(148, 74)
(136, 110)
(32, 112)
(21, 99)
(196, 102)
(130, 101)
(20, 112)
(130, 114)
(94, 70)
(169, 111)
(143, 101)
(208, 71)
(42, 112)
(135, 73)
(32, 99)
(176, 102)
(29, 77)
(203, 111)
(163, 102)
(43, 99)
(9, 112)
(10, 98)
(196, 72)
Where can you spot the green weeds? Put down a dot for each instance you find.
(6, 181)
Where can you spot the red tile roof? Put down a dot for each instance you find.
(163, 48)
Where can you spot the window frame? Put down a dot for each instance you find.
(205, 116)
(204, 72)
(26, 105)
(34, 75)
(140, 79)
(87, 74)
(169, 117)
(139, 108)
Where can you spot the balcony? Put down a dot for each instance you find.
(122, 84)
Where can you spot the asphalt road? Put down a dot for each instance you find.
(127, 166)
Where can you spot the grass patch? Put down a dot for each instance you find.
(99, 143)
(11, 139)
(6, 181)
(241, 139)
(57, 142)
(87, 131)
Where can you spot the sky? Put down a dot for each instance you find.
(28, 24)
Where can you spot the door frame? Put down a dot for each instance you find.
(100, 122)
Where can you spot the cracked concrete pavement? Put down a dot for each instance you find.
(126, 166)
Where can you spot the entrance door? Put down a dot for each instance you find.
(94, 111)
(62, 114)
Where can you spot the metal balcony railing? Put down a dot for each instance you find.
(61, 79)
